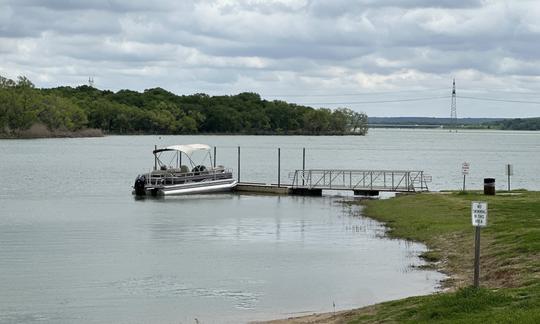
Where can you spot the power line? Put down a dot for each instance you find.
(416, 99)
(396, 100)
(372, 101)
(353, 94)
(361, 94)
(500, 100)
(501, 91)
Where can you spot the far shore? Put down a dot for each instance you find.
(41, 131)
(94, 132)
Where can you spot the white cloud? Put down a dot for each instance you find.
(288, 47)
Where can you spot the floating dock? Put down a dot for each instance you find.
(360, 182)
(262, 188)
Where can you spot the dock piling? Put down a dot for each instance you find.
(238, 163)
(303, 164)
(279, 167)
(155, 157)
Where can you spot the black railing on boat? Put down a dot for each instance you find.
(175, 176)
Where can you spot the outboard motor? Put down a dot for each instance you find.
(139, 185)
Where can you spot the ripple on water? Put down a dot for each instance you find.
(171, 286)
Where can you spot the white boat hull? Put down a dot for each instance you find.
(193, 188)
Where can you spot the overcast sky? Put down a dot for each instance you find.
(332, 53)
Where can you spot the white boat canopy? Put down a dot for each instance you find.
(187, 149)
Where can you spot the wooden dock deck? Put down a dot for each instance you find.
(263, 188)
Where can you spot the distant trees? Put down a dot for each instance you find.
(21, 106)
(517, 124)
(159, 111)
(356, 121)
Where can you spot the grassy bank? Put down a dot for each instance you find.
(510, 259)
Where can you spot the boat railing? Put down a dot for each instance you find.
(173, 175)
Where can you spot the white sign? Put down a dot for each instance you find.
(465, 168)
(479, 212)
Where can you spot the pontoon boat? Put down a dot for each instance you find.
(175, 173)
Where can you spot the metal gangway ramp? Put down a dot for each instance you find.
(360, 181)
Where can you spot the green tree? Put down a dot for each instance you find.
(357, 121)
(187, 125)
(222, 119)
(159, 111)
(339, 123)
(58, 113)
(317, 121)
(6, 83)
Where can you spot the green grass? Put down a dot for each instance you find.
(510, 258)
(467, 305)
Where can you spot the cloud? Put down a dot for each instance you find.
(283, 47)
(119, 6)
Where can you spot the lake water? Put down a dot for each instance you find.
(75, 246)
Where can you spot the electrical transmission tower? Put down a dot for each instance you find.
(453, 112)
(91, 82)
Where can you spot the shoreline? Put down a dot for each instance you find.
(96, 132)
(448, 252)
(38, 131)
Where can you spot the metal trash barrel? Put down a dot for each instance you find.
(489, 186)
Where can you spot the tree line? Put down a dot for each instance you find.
(157, 111)
(517, 124)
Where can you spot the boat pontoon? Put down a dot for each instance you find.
(176, 173)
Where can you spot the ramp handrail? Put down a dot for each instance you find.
(381, 180)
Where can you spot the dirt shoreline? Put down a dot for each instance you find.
(41, 131)
(338, 317)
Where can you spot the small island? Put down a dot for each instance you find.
(30, 112)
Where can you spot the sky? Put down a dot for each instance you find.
(382, 57)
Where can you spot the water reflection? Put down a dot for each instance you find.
(285, 233)
(258, 219)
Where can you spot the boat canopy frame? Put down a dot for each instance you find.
(187, 150)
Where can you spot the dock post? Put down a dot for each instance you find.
(155, 157)
(303, 164)
(279, 167)
(214, 156)
(238, 163)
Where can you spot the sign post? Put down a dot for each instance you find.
(479, 213)
(509, 172)
(465, 166)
